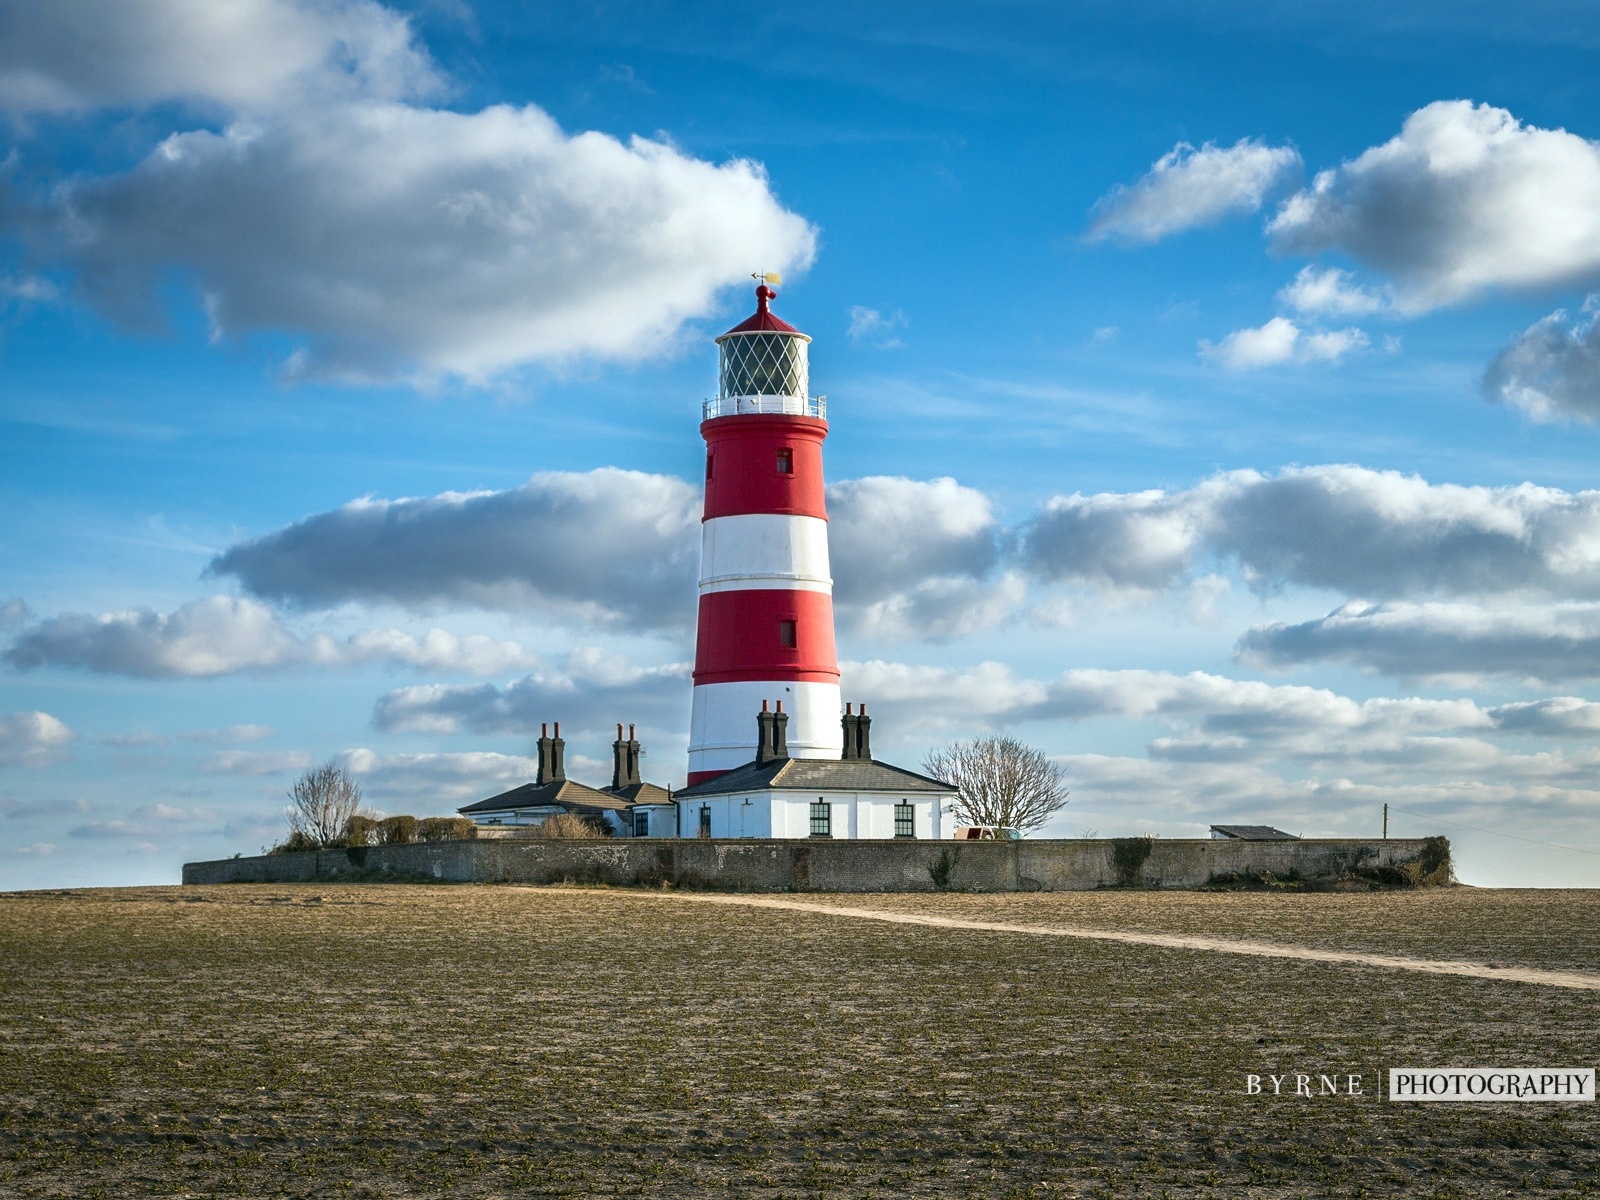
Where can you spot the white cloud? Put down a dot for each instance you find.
(434, 784)
(1188, 187)
(1281, 341)
(939, 609)
(586, 688)
(1551, 372)
(33, 739)
(221, 635)
(1377, 534)
(607, 547)
(1464, 199)
(1559, 716)
(255, 762)
(73, 55)
(618, 549)
(395, 242)
(910, 556)
(1440, 641)
(1136, 540)
(868, 324)
(14, 612)
(1329, 293)
(212, 636)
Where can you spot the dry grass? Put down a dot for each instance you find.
(472, 1041)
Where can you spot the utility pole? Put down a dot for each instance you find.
(1386, 822)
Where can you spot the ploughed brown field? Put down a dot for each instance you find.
(412, 1040)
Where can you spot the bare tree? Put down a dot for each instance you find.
(321, 803)
(1001, 782)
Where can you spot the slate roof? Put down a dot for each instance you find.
(564, 793)
(641, 793)
(816, 775)
(1254, 833)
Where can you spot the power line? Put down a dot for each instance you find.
(1495, 832)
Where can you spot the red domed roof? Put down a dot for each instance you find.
(762, 320)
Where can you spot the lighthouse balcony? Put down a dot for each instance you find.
(789, 406)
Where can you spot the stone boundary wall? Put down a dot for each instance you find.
(825, 866)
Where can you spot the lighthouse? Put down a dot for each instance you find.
(764, 637)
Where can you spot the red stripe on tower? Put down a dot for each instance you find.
(765, 629)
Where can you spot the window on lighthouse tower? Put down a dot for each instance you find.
(786, 461)
(787, 636)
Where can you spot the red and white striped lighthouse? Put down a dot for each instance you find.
(766, 596)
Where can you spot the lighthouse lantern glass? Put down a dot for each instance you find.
(763, 364)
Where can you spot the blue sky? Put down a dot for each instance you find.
(1213, 397)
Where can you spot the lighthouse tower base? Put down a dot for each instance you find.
(722, 717)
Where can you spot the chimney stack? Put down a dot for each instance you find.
(857, 734)
(772, 735)
(624, 760)
(552, 752)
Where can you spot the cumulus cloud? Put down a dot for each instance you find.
(910, 557)
(221, 635)
(1441, 641)
(33, 739)
(1558, 716)
(1551, 371)
(212, 636)
(1187, 187)
(397, 242)
(1377, 534)
(1281, 341)
(434, 784)
(1464, 199)
(1276, 719)
(1330, 293)
(608, 547)
(618, 549)
(74, 55)
(587, 687)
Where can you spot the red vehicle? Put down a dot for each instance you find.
(984, 833)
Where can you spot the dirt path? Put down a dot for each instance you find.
(1586, 981)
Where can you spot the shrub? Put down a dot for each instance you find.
(446, 829)
(397, 831)
(361, 830)
(567, 826)
(297, 840)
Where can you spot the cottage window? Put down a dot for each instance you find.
(821, 818)
(905, 820)
(705, 820)
(641, 824)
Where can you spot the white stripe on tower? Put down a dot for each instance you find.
(766, 598)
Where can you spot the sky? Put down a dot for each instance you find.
(1214, 397)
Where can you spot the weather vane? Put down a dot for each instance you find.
(771, 277)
